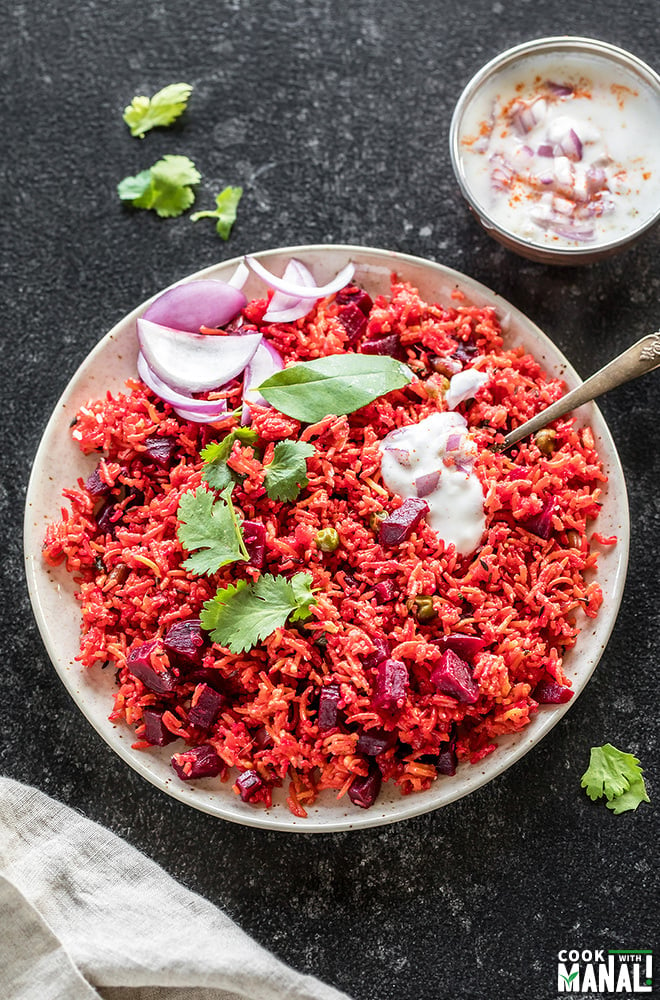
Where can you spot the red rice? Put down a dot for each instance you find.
(520, 593)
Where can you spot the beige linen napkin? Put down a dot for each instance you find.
(85, 915)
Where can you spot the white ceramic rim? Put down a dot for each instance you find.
(539, 46)
(58, 463)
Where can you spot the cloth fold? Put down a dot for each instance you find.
(86, 915)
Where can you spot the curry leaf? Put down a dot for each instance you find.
(339, 383)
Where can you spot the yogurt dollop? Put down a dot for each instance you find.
(434, 459)
(561, 153)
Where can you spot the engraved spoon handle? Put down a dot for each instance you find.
(642, 357)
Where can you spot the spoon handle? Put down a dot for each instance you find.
(639, 359)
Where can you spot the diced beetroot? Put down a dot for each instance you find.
(328, 707)
(391, 685)
(254, 536)
(375, 741)
(207, 705)
(541, 524)
(356, 296)
(465, 646)
(453, 676)
(155, 731)
(95, 486)
(106, 521)
(208, 675)
(138, 662)
(518, 472)
(364, 791)
(380, 653)
(551, 693)
(160, 449)
(133, 496)
(261, 739)
(248, 783)
(400, 524)
(385, 591)
(353, 320)
(197, 762)
(389, 345)
(184, 641)
(447, 761)
(466, 350)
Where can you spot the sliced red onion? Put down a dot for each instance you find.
(523, 119)
(198, 418)
(464, 385)
(208, 302)
(569, 232)
(240, 275)
(571, 146)
(299, 290)
(502, 172)
(595, 179)
(287, 308)
(559, 89)
(427, 483)
(545, 149)
(204, 408)
(402, 455)
(454, 442)
(546, 179)
(464, 463)
(265, 361)
(192, 361)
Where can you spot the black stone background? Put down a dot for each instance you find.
(334, 117)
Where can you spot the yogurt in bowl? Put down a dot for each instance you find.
(554, 144)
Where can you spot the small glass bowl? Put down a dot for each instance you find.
(573, 52)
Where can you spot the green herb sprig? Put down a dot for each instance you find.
(241, 615)
(208, 529)
(617, 776)
(145, 113)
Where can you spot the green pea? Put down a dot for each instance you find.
(327, 540)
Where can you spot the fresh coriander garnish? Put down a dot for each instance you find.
(241, 615)
(339, 383)
(164, 188)
(617, 776)
(208, 529)
(144, 113)
(224, 212)
(216, 472)
(286, 475)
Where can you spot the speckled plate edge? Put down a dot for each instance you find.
(58, 463)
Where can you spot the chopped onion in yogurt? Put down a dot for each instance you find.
(438, 462)
(563, 153)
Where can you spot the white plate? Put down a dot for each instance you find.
(59, 463)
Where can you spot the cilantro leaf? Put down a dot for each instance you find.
(225, 212)
(617, 776)
(208, 529)
(631, 798)
(165, 187)
(216, 472)
(240, 616)
(287, 473)
(143, 113)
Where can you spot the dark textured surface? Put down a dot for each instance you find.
(334, 116)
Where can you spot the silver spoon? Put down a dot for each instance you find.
(642, 357)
